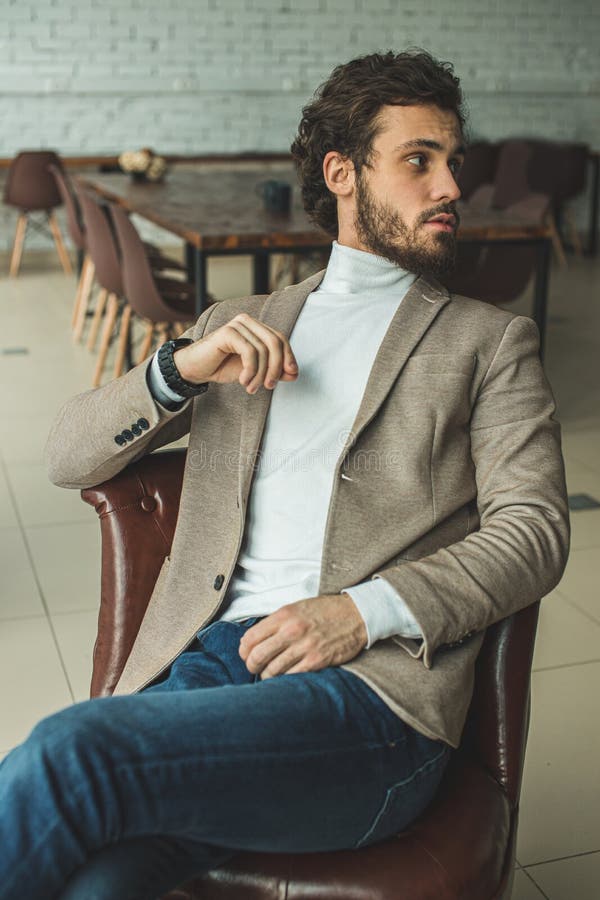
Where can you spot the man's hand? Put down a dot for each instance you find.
(305, 636)
(243, 350)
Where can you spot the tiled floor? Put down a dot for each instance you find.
(49, 546)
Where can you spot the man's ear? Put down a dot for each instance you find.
(339, 173)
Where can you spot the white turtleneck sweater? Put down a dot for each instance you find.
(335, 340)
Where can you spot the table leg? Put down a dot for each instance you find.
(593, 226)
(189, 261)
(200, 280)
(542, 277)
(260, 272)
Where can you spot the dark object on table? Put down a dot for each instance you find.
(277, 195)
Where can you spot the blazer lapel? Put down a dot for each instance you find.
(420, 306)
(280, 311)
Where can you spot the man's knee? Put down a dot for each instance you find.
(72, 730)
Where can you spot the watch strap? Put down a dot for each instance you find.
(170, 372)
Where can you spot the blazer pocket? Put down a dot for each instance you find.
(441, 364)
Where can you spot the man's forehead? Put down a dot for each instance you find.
(407, 127)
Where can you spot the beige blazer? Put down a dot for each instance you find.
(457, 493)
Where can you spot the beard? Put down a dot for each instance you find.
(384, 232)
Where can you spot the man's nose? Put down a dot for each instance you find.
(446, 188)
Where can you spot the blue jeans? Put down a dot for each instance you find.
(124, 798)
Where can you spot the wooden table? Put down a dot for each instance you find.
(217, 211)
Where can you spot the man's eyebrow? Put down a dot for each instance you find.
(431, 145)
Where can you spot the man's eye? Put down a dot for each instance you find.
(420, 156)
(455, 165)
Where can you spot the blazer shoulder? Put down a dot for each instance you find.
(468, 308)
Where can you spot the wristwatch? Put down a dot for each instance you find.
(170, 372)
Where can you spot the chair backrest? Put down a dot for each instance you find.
(30, 185)
(478, 168)
(100, 241)
(74, 218)
(138, 281)
(138, 514)
(512, 179)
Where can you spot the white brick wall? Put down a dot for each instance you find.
(194, 76)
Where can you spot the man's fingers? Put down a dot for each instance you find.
(282, 363)
(263, 652)
(292, 659)
(254, 355)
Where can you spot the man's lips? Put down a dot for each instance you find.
(442, 222)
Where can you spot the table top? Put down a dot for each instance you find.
(218, 208)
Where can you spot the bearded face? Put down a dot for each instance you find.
(418, 248)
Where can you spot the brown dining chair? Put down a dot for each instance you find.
(163, 304)
(498, 273)
(461, 848)
(31, 188)
(77, 233)
(103, 251)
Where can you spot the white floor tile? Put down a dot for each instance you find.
(579, 584)
(561, 787)
(19, 594)
(565, 635)
(42, 503)
(577, 878)
(524, 888)
(24, 437)
(67, 561)
(76, 635)
(584, 445)
(8, 516)
(32, 681)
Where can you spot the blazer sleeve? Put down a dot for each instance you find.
(81, 450)
(520, 550)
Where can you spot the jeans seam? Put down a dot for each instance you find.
(406, 781)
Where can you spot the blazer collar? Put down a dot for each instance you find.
(420, 306)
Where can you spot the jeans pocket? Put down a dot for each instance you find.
(405, 800)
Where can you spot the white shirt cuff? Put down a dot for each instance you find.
(383, 610)
(159, 387)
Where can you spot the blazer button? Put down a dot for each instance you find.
(127, 434)
(144, 424)
(136, 429)
(218, 583)
(120, 440)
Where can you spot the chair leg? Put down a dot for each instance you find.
(15, 259)
(109, 324)
(60, 247)
(83, 295)
(573, 233)
(556, 241)
(123, 337)
(147, 343)
(98, 312)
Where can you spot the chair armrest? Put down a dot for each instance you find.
(138, 512)
(498, 718)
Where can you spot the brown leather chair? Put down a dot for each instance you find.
(461, 848)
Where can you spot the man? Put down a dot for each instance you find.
(305, 665)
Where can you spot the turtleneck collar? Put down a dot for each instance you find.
(352, 271)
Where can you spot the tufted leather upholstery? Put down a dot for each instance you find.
(462, 848)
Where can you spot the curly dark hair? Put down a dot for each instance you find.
(343, 116)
